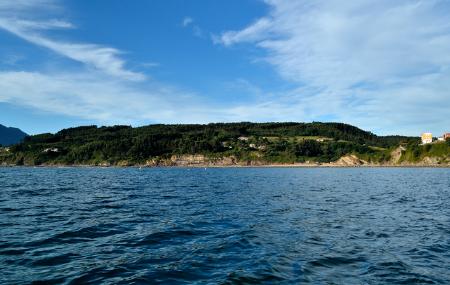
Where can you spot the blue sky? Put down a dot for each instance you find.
(381, 65)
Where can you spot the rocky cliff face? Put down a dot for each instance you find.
(396, 154)
(192, 160)
(396, 159)
(349, 160)
(200, 160)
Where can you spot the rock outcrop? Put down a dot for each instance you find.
(349, 160)
(396, 154)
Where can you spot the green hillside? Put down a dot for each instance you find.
(263, 142)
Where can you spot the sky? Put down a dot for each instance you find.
(381, 65)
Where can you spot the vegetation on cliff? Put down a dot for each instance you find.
(438, 152)
(245, 142)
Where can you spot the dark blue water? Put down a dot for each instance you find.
(224, 226)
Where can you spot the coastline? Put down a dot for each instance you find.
(295, 165)
(201, 161)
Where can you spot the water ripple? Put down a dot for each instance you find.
(224, 226)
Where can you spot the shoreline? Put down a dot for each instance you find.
(232, 166)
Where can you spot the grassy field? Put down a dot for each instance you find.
(297, 138)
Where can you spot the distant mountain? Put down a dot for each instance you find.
(9, 136)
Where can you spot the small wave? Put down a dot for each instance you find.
(54, 260)
(75, 236)
(96, 275)
(332, 261)
(243, 226)
(242, 277)
(50, 281)
(439, 248)
(13, 251)
(8, 209)
(159, 238)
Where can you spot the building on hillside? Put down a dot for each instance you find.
(427, 138)
(53, 149)
(444, 137)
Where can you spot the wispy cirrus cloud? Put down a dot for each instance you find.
(187, 21)
(101, 90)
(254, 32)
(383, 65)
(21, 18)
(196, 30)
(93, 96)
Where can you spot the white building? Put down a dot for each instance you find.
(427, 138)
(53, 149)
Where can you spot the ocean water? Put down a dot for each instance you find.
(224, 226)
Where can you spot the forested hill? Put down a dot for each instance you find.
(10, 135)
(267, 142)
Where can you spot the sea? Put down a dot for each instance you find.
(224, 225)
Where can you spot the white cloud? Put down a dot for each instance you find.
(382, 64)
(42, 25)
(196, 30)
(92, 96)
(23, 6)
(187, 21)
(21, 19)
(91, 93)
(256, 31)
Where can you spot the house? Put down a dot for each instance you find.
(262, 147)
(444, 137)
(227, 145)
(427, 138)
(53, 149)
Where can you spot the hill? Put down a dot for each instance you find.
(9, 136)
(213, 144)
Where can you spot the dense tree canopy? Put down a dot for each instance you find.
(271, 142)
